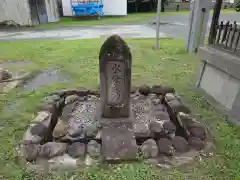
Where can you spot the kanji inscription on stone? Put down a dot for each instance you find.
(116, 82)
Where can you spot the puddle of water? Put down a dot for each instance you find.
(45, 77)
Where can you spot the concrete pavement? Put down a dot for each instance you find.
(175, 26)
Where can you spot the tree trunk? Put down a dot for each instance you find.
(162, 6)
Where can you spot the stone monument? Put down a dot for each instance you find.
(116, 123)
(115, 61)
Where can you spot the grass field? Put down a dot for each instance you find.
(79, 59)
(129, 19)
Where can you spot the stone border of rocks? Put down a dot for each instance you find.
(38, 139)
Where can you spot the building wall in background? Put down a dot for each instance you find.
(110, 7)
(52, 10)
(15, 10)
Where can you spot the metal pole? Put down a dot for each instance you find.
(158, 23)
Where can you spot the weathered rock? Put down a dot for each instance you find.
(141, 130)
(92, 98)
(162, 89)
(196, 143)
(161, 115)
(178, 106)
(180, 144)
(99, 135)
(169, 127)
(49, 107)
(95, 92)
(29, 151)
(60, 103)
(82, 91)
(60, 129)
(165, 147)
(118, 144)
(29, 138)
(186, 119)
(67, 110)
(94, 149)
(83, 117)
(198, 132)
(170, 97)
(156, 126)
(76, 129)
(63, 162)
(68, 92)
(76, 149)
(4, 74)
(40, 130)
(91, 130)
(160, 107)
(134, 89)
(145, 90)
(52, 149)
(54, 97)
(149, 149)
(71, 98)
(43, 116)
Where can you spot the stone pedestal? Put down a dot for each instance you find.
(219, 80)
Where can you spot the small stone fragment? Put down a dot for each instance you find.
(95, 92)
(156, 127)
(145, 90)
(161, 115)
(141, 130)
(149, 149)
(160, 107)
(4, 74)
(118, 143)
(76, 149)
(63, 162)
(134, 89)
(99, 135)
(162, 89)
(198, 132)
(67, 110)
(94, 148)
(92, 98)
(29, 151)
(49, 107)
(30, 138)
(91, 130)
(52, 149)
(196, 143)
(180, 144)
(39, 130)
(170, 97)
(165, 147)
(186, 119)
(60, 129)
(169, 127)
(177, 107)
(71, 98)
(82, 91)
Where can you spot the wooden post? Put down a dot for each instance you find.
(158, 23)
(215, 19)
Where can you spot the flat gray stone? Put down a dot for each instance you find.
(118, 144)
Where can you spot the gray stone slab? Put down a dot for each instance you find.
(118, 143)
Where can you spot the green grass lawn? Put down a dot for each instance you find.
(129, 19)
(79, 59)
